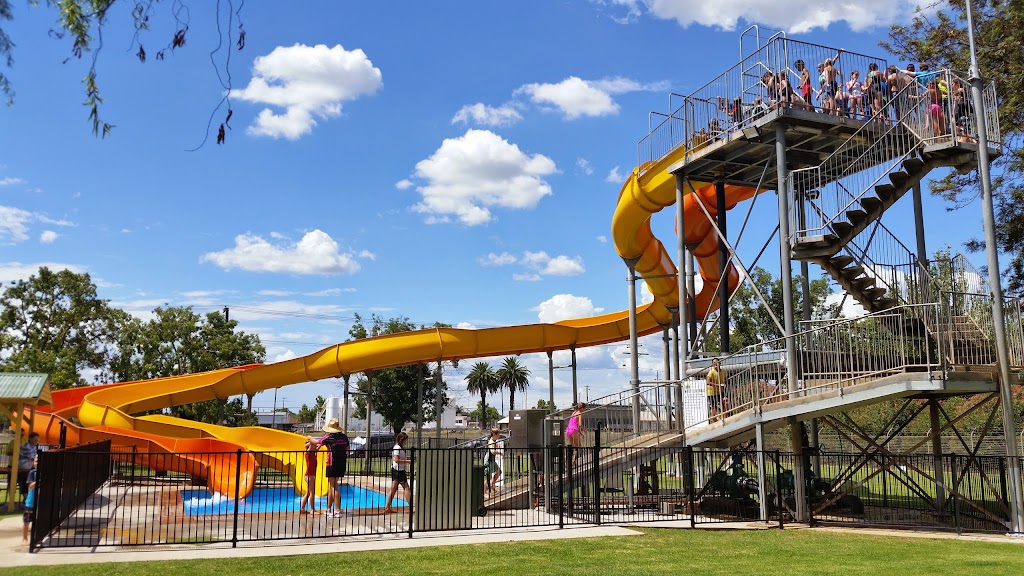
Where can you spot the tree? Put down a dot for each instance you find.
(54, 323)
(545, 405)
(513, 376)
(393, 391)
(751, 323)
(307, 414)
(179, 341)
(83, 22)
(940, 38)
(481, 380)
(490, 414)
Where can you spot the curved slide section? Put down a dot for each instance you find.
(186, 449)
(110, 408)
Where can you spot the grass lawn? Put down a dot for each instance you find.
(674, 552)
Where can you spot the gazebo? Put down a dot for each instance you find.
(18, 391)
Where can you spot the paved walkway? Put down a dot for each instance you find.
(14, 554)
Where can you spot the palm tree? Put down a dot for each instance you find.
(514, 376)
(482, 379)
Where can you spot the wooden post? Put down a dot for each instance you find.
(12, 482)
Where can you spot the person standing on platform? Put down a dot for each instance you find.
(715, 383)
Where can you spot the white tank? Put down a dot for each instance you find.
(332, 409)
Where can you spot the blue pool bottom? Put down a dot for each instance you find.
(200, 502)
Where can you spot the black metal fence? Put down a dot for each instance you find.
(67, 481)
(948, 492)
(95, 497)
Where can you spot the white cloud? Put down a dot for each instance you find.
(330, 292)
(315, 253)
(557, 266)
(614, 176)
(576, 97)
(403, 184)
(564, 307)
(850, 309)
(526, 277)
(275, 293)
(273, 309)
(309, 82)
(466, 326)
(14, 223)
(367, 255)
(14, 271)
(795, 16)
(602, 239)
(470, 174)
(573, 96)
(584, 165)
(48, 236)
(484, 115)
(12, 181)
(503, 259)
(646, 296)
(281, 357)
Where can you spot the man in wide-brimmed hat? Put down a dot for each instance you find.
(337, 444)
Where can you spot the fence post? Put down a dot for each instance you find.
(691, 482)
(412, 478)
(597, 474)
(238, 482)
(1003, 497)
(956, 489)
(562, 485)
(778, 487)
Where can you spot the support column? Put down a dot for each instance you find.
(551, 382)
(998, 317)
(680, 409)
(344, 399)
(940, 475)
(667, 367)
(796, 446)
(785, 258)
(762, 490)
(922, 250)
(683, 310)
(723, 265)
(634, 358)
(439, 403)
(575, 394)
(796, 435)
(691, 304)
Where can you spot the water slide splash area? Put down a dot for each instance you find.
(106, 411)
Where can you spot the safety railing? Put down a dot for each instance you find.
(831, 355)
(931, 109)
(618, 413)
(768, 78)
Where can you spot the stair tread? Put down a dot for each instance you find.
(913, 164)
(856, 215)
(870, 202)
(852, 271)
(864, 282)
(841, 228)
(841, 261)
(874, 293)
(899, 177)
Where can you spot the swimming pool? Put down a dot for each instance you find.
(200, 502)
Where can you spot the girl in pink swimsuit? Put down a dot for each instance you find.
(574, 429)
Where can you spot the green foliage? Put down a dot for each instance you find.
(179, 341)
(512, 376)
(393, 391)
(940, 38)
(54, 323)
(481, 380)
(545, 405)
(750, 321)
(484, 416)
(307, 414)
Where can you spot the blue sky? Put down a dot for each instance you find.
(455, 162)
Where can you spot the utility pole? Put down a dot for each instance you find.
(998, 317)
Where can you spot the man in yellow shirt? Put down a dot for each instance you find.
(715, 382)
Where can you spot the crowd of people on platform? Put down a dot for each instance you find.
(940, 101)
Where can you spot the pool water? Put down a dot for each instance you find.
(200, 502)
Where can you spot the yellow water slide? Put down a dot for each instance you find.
(111, 407)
